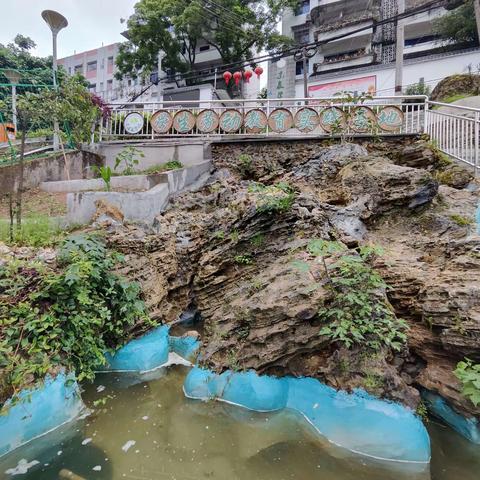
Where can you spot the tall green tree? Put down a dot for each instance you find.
(458, 25)
(237, 29)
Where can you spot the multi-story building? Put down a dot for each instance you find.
(98, 66)
(364, 60)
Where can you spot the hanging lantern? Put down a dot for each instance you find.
(258, 71)
(247, 75)
(237, 76)
(227, 76)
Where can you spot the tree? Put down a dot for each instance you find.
(457, 26)
(237, 29)
(23, 42)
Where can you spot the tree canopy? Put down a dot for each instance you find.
(459, 25)
(236, 29)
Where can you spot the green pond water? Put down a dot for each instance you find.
(148, 430)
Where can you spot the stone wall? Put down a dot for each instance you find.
(79, 165)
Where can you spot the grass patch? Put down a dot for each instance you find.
(36, 231)
(172, 165)
(460, 220)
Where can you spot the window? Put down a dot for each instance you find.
(101, 86)
(129, 83)
(303, 7)
(109, 84)
(110, 61)
(92, 66)
(204, 48)
(301, 35)
(102, 64)
(299, 67)
(78, 68)
(69, 70)
(92, 87)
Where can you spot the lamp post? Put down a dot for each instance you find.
(14, 78)
(56, 22)
(303, 55)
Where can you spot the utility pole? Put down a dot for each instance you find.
(303, 55)
(476, 5)
(160, 57)
(400, 42)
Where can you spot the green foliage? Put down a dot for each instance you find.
(179, 27)
(457, 26)
(420, 88)
(35, 231)
(462, 221)
(358, 312)
(105, 174)
(171, 165)
(469, 374)
(273, 198)
(422, 411)
(129, 158)
(243, 259)
(257, 240)
(244, 165)
(219, 234)
(68, 316)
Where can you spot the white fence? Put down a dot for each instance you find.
(454, 129)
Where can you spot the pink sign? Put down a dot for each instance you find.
(360, 85)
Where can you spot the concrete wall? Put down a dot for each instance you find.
(53, 168)
(188, 152)
(138, 206)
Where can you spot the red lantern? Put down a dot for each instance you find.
(247, 74)
(237, 76)
(258, 71)
(227, 76)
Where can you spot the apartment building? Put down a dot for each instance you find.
(363, 60)
(98, 66)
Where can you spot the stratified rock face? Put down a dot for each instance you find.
(230, 251)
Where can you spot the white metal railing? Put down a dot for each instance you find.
(411, 121)
(453, 128)
(456, 131)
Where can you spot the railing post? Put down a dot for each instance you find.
(477, 141)
(426, 118)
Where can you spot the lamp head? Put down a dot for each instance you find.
(54, 20)
(12, 75)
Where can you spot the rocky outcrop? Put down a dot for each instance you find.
(230, 250)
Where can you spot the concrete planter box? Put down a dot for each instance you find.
(136, 206)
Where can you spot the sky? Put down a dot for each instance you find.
(91, 23)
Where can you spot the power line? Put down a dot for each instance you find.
(192, 74)
(232, 15)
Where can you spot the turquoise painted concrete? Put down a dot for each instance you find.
(467, 427)
(39, 410)
(358, 422)
(186, 347)
(141, 354)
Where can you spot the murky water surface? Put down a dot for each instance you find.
(148, 430)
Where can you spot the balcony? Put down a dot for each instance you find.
(344, 60)
(332, 15)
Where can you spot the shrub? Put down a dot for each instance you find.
(469, 374)
(69, 316)
(128, 157)
(273, 198)
(36, 231)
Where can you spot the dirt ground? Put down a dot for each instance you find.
(37, 202)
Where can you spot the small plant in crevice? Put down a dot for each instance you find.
(245, 165)
(358, 312)
(461, 221)
(272, 198)
(257, 240)
(469, 375)
(232, 361)
(243, 259)
(68, 316)
(422, 411)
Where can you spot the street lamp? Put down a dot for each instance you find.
(13, 77)
(56, 22)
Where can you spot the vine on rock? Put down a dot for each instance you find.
(65, 316)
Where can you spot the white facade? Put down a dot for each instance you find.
(363, 61)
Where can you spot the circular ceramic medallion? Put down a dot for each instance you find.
(207, 121)
(183, 121)
(280, 120)
(390, 119)
(255, 121)
(231, 121)
(133, 123)
(362, 120)
(161, 121)
(306, 120)
(333, 119)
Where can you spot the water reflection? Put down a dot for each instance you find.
(147, 430)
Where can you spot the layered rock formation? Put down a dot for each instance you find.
(230, 251)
